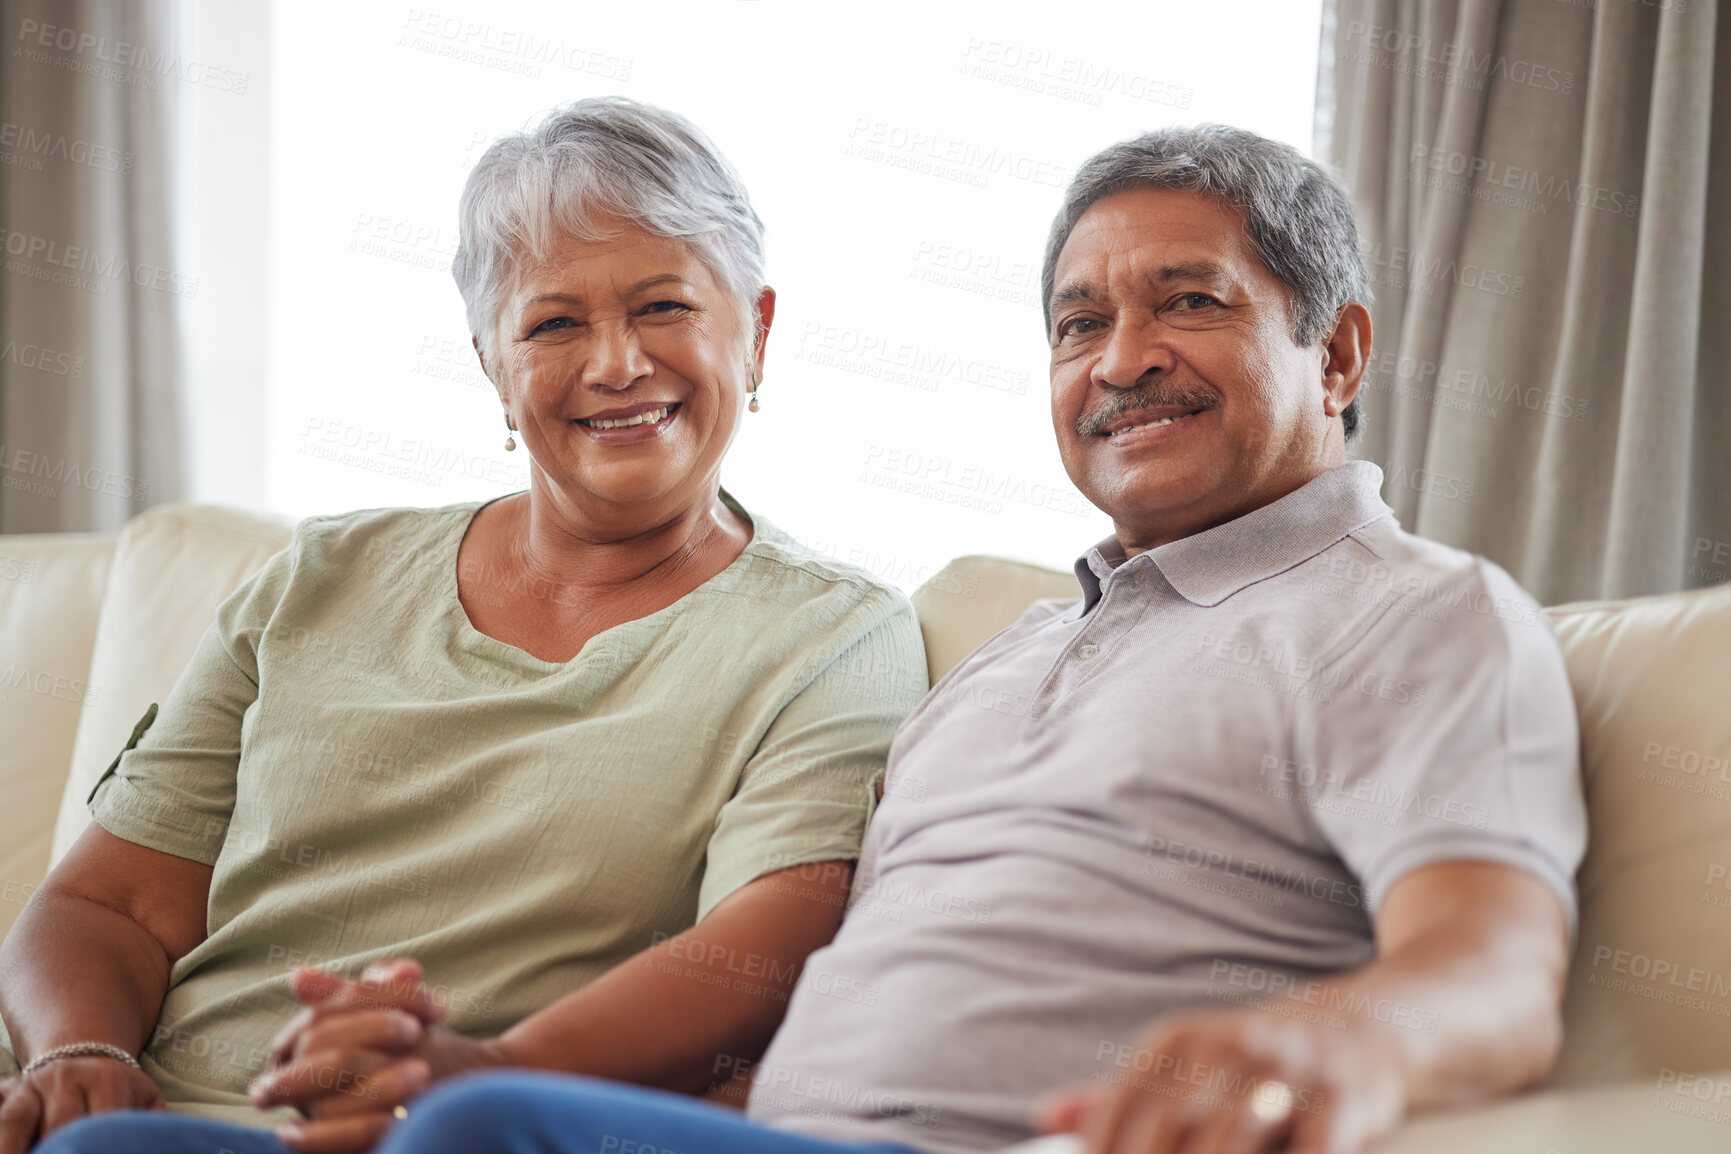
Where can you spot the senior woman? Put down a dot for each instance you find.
(596, 756)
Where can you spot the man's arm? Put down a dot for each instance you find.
(1484, 948)
(1462, 1003)
(88, 961)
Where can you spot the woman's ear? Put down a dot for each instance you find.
(482, 357)
(764, 316)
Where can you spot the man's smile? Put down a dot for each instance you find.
(1142, 420)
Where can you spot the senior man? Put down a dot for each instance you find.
(1275, 844)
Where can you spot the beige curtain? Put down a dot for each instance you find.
(1544, 188)
(89, 422)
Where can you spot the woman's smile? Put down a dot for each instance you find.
(631, 424)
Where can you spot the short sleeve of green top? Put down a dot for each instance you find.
(369, 775)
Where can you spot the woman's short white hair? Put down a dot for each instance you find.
(606, 156)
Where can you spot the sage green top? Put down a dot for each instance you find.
(371, 776)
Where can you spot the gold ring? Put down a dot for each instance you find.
(1272, 1102)
(401, 1113)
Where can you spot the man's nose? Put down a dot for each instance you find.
(616, 359)
(1135, 350)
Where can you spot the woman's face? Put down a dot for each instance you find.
(624, 365)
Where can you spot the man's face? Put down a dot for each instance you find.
(1179, 398)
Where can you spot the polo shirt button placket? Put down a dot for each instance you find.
(1088, 651)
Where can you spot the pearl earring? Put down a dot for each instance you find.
(510, 439)
(754, 406)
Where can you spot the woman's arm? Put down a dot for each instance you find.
(88, 961)
(684, 1014)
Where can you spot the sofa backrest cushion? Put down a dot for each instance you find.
(971, 598)
(172, 567)
(1651, 983)
(50, 588)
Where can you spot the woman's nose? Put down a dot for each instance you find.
(615, 358)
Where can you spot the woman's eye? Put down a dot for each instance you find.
(667, 307)
(551, 324)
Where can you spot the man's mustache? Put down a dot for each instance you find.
(1142, 397)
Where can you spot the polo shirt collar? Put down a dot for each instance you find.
(1208, 567)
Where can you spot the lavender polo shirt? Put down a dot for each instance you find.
(1189, 789)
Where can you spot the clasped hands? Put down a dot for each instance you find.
(357, 1051)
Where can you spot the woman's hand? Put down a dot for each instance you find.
(357, 1052)
(36, 1105)
(393, 984)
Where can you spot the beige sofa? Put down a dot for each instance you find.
(95, 627)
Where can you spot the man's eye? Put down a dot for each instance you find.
(1193, 301)
(1077, 326)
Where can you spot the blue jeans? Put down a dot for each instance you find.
(152, 1132)
(524, 1113)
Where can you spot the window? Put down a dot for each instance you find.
(907, 159)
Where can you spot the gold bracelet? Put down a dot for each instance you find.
(81, 1050)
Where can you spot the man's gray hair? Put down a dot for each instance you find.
(1297, 215)
(600, 157)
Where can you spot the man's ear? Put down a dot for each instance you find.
(1345, 357)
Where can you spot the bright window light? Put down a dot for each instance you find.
(907, 159)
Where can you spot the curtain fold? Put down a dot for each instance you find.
(90, 418)
(1542, 192)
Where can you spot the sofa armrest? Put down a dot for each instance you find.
(1666, 1114)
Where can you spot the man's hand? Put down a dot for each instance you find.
(62, 1092)
(356, 1052)
(1241, 1082)
(1470, 958)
